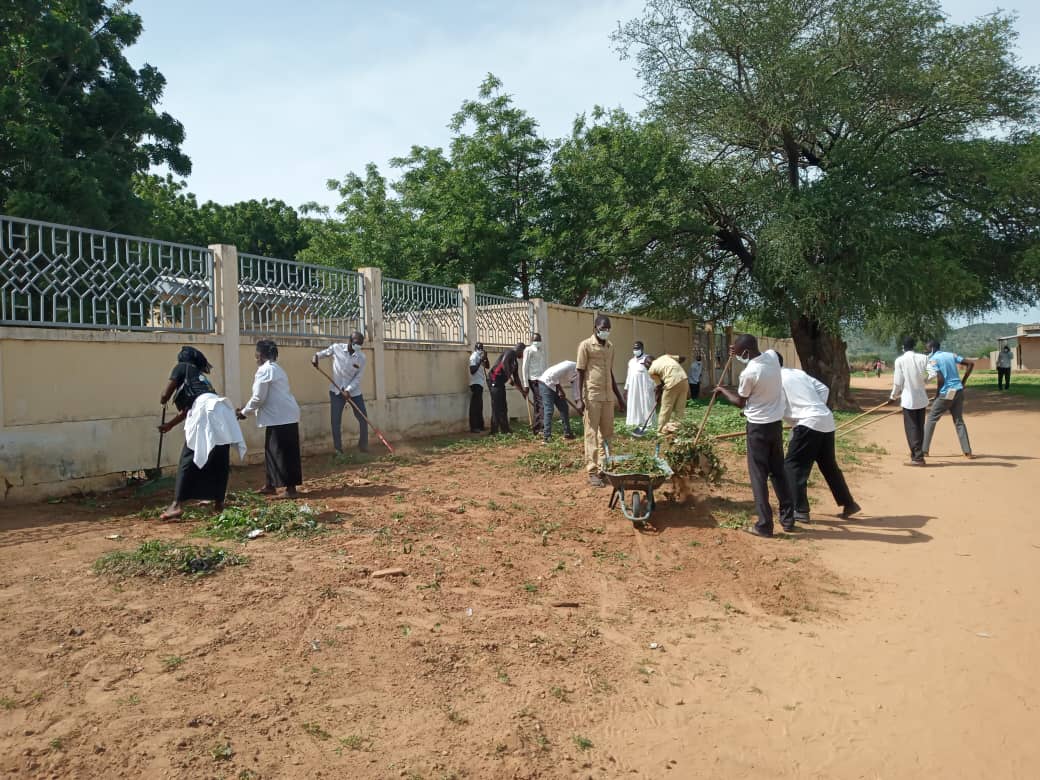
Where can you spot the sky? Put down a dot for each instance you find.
(274, 103)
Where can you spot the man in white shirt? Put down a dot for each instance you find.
(1004, 368)
(760, 394)
(478, 366)
(348, 366)
(812, 441)
(908, 385)
(532, 366)
(696, 368)
(552, 382)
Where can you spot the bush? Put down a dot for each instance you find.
(160, 559)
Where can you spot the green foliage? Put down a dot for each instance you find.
(78, 121)
(283, 518)
(859, 137)
(554, 458)
(160, 559)
(263, 227)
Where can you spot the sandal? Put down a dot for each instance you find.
(267, 490)
(173, 514)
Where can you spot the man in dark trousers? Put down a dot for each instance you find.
(908, 388)
(478, 366)
(506, 369)
(812, 441)
(760, 394)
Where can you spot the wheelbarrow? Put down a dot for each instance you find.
(640, 502)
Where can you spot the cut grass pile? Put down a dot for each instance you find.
(250, 513)
(556, 457)
(161, 559)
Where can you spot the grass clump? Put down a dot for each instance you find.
(160, 559)
(553, 458)
(285, 518)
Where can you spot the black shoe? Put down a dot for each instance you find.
(916, 462)
(750, 529)
(802, 517)
(568, 435)
(850, 510)
(789, 529)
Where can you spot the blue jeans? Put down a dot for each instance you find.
(337, 402)
(549, 400)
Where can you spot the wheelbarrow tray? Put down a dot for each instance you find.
(641, 487)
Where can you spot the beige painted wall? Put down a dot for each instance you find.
(79, 411)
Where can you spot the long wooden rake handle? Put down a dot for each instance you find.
(350, 401)
(711, 403)
(843, 431)
(847, 423)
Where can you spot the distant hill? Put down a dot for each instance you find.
(970, 341)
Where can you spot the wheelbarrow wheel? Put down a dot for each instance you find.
(637, 509)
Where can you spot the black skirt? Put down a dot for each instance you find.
(208, 483)
(282, 455)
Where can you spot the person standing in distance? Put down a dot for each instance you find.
(348, 366)
(1004, 368)
(533, 365)
(639, 391)
(595, 365)
(908, 386)
(694, 376)
(478, 366)
(506, 370)
(949, 397)
(760, 394)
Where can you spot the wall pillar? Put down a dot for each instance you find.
(469, 317)
(541, 321)
(225, 294)
(376, 338)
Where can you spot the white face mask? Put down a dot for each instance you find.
(742, 358)
(603, 335)
(537, 345)
(637, 352)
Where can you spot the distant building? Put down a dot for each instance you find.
(1025, 348)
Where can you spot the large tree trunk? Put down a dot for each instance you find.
(823, 356)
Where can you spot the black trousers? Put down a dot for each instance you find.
(806, 448)
(535, 396)
(499, 411)
(476, 408)
(1003, 377)
(695, 390)
(913, 425)
(765, 459)
(282, 455)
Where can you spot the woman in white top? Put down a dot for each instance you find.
(640, 390)
(276, 410)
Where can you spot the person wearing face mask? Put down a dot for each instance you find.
(639, 390)
(760, 393)
(348, 366)
(532, 366)
(595, 366)
(669, 378)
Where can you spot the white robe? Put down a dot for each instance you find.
(642, 396)
(210, 423)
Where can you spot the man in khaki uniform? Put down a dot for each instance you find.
(670, 378)
(595, 366)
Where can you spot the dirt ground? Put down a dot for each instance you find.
(537, 634)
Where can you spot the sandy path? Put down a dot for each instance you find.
(931, 668)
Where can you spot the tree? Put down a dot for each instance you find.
(266, 227)
(862, 137)
(78, 120)
(625, 228)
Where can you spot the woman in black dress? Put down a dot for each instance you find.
(188, 382)
(276, 410)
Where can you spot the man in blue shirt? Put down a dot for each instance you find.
(950, 396)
